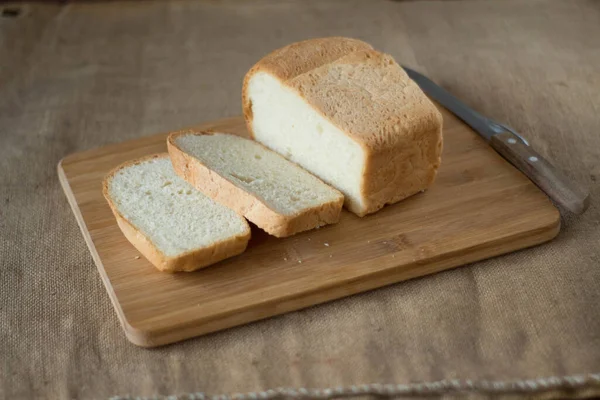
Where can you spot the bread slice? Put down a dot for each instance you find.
(275, 194)
(348, 114)
(172, 224)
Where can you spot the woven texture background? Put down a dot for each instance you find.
(77, 76)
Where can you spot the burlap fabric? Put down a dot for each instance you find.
(81, 75)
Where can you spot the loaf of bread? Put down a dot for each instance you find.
(270, 191)
(350, 115)
(173, 225)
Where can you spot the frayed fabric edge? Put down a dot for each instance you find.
(435, 388)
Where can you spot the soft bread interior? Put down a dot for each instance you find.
(282, 185)
(284, 122)
(173, 215)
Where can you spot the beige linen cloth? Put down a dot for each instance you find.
(74, 76)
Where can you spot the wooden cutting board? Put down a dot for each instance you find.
(479, 207)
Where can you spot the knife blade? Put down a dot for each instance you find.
(512, 146)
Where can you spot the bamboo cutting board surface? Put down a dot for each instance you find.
(479, 207)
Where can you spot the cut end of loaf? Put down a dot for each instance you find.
(306, 137)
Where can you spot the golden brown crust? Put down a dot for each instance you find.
(370, 97)
(399, 172)
(238, 199)
(189, 261)
(367, 95)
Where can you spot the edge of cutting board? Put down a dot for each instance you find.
(143, 338)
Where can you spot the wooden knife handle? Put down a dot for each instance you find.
(556, 184)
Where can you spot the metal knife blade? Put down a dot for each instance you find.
(486, 127)
(512, 146)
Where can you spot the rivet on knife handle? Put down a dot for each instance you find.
(556, 184)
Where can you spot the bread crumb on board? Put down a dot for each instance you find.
(299, 261)
(137, 257)
(326, 244)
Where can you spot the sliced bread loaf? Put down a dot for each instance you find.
(348, 114)
(173, 225)
(275, 194)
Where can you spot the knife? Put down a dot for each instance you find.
(512, 146)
